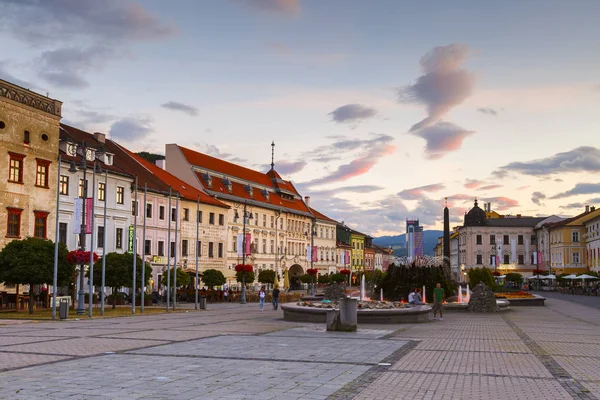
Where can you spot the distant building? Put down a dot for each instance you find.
(592, 238)
(414, 238)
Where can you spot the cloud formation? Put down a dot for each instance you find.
(537, 197)
(288, 8)
(473, 183)
(442, 138)
(572, 206)
(352, 113)
(580, 159)
(131, 129)
(5, 75)
(580, 188)
(213, 150)
(443, 85)
(491, 187)
(502, 203)
(418, 193)
(184, 108)
(285, 167)
(66, 67)
(488, 111)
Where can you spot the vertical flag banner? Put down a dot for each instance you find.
(347, 257)
(130, 240)
(540, 258)
(498, 253)
(78, 208)
(535, 258)
(89, 214)
(314, 254)
(308, 253)
(248, 244)
(514, 250)
(342, 258)
(240, 244)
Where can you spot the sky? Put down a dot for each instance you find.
(379, 110)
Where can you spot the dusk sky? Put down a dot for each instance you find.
(379, 109)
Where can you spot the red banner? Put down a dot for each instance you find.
(540, 260)
(347, 257)
(314, 254)
(89, 214)
(248, 244)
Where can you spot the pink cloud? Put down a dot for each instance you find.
(284, 7)
(491, 187)
(473, 183)
(442, 138)
(502, 203)
(523, 187)
(419, 192)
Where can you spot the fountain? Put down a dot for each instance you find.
(460, 297)
(468, 297)
(424, 299)
(381, 295)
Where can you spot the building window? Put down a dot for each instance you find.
(100, 237)
(26, 138)
(492, 239)
(506, 240)
(184, 248)
(161, 248)
(147, 247)
(506, 259)
(479, 239)
(265, 220)
(576, 258)
(520, 239)
(186, 214)
(15, 167)
(41, 173)
(211, 218)
(264, 247)
(199, 216)
(173, 214)
(64, 185)
(134, 207)
(492, 260)
(220, 250)
(82, 188)
(41, 219)
(272, 221)
(119, 238)
(62, 233)
(234, 241)
(281, 224)
(221, 219)
(173, 249)
(575, 236)
(161, 213)
(199, 248)
(101, 191)
(120, 195)
(272, 246)
(210, 250)
(521, 259)
(148, 210)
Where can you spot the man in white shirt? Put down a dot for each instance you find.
(411, 296)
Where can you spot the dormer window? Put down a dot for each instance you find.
(265, 193)
(90, 154)
(208, 179)
(249, 190)
(108, 159)
(228, 185)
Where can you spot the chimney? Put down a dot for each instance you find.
(518, 215)
(100, 137)
(160, 163)
(593, 208)
(307, 201)
(587, 209)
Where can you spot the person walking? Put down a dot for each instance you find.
(438, 300)
(275, 297)
(261, 298)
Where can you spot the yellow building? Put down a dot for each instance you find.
(357, 241)
(568, 253)
(29, 135)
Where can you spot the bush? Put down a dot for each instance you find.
(337, 278)
(324, 279)
(249, 277)
(266, 276)
(306, 278)
(399, 280)
(514, 277)
(213, 277)
(481, 275)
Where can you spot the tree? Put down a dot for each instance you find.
(338, 278)
(266, 276)
(183, 278)
(249, 277)
(324, 279)
(306, 278)
(213, 277)
(31, 261)
(514, 277)
(119, 271)
(481, 275)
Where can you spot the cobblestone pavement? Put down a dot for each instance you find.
(237, 352)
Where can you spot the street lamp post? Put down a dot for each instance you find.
(55, 276)
(312, 250)
(246, 215)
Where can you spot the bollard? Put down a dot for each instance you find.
(63, 309)
(348, 315)
(203, 302)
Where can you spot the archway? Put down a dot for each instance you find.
(296, 271)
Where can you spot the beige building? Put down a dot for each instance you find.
(592, 242)
(29, 137)
(325, 241)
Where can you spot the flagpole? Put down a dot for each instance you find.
(142, 301)
(169, 251)
(137, 210)
(91, 271)
(197, 247)
(175, 252)
(103, 283)
(55, 276)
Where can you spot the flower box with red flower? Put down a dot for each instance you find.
(78, 257)
(496, 273)
(345, 272)
(244, 268)
(312, 271)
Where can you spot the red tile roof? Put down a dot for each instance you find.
(279, 188)
(321, 216)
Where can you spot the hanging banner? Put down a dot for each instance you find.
(342, 258)
(89, 214)
(347, 257)
(314, 254)
(77, 223)
(514, 250)
(308, 253)
(540, 258)
(498, 253)
(240, 244)
(248, 244)
(527, 251)
(535, 258)
(130, 240)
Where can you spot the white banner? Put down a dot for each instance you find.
(514, 250)
(78, 209)
(240, 244)
(527, 259)
(308, 253)
(535, 258)
(343, 258)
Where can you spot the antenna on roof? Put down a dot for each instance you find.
(272, 154)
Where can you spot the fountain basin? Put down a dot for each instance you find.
(410, 314)
(536, 301)
(503, 305)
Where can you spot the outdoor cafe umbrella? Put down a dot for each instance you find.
(551, 276)
(276, 282)
(286, 279)
(586, 276)
(572, 276)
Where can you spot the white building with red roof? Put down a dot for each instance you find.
(281, 221)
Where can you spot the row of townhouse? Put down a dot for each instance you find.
(525, 244)
(189, 206)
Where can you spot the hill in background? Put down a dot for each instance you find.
(398, 242)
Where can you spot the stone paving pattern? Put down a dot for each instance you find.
(237, 352)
